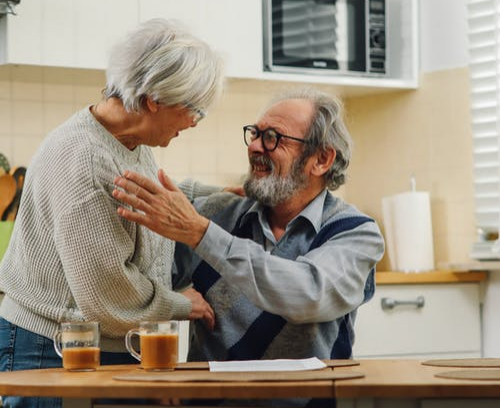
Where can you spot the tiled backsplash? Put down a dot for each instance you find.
(425, 133)
(34, 100)
(397, 134)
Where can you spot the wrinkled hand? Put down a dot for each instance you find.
(164, 209)
(200, 308)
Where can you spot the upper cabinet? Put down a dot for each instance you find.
(64, 33)
(79, 33)
(234, 28)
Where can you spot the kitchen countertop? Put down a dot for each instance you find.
(391, 378)
(399, 378)
(441, 276)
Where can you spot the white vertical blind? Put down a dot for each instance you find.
(484, 52)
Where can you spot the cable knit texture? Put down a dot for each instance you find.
(71, 256)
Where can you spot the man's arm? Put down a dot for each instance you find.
(322, 285)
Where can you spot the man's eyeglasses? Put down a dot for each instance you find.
(196, 114)
(270, 138)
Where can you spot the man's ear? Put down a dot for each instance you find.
(323, 161)
(152, 105)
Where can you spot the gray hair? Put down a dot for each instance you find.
(160, 59)
(326, 131)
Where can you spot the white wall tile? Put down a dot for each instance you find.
(5, 117)
(55, 113)
(204, 158)
(24, 147)
(58, 85)
(5, 82)
(27, 83)
(424, 132)
(27, 118)
(6, 146)
(176, 158)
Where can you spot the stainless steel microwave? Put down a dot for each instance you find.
(328, 37)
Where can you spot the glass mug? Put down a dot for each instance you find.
(78, 345)
(159, 342)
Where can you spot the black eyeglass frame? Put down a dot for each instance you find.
(262, 133)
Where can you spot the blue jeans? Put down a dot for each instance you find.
(23, 350)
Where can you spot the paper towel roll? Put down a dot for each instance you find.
(408, 227)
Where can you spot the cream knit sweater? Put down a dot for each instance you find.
(71, 257)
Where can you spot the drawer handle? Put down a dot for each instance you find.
(390, 303)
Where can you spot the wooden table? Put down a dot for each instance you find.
(413, 385)
(100, 384)
(408, 381)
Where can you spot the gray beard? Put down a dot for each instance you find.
(273, 190)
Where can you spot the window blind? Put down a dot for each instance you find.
(484, 66)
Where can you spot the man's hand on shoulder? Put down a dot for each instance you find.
(163, 208)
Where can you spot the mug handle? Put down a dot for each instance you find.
(128, 343)
(57, 343)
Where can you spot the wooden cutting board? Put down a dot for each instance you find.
(8, 189)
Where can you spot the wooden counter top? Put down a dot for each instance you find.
(100, 384)
(382, 379)
(396, 278)
(410, 379)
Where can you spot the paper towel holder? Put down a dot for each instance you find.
(413, 183)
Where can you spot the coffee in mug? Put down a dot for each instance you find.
(159, 343)
(78, 345)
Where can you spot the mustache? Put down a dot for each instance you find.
(261, 160)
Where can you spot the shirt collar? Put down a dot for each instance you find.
(313, 212)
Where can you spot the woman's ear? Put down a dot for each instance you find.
(152, 105)
(323, 161)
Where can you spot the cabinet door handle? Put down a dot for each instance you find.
(390, 303)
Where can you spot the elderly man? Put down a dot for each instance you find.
(286, 267)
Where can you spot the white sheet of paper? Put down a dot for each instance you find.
(312, 363)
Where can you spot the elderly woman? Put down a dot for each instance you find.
(71, 256)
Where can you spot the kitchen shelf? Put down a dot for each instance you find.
(346, 86)
(444, 276)
(490, 266)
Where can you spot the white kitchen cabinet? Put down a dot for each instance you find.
(235, 29)
(99, 24)
(79, 33)
(65, 33)
(20, 36)
(232, 27)
(447, 324)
